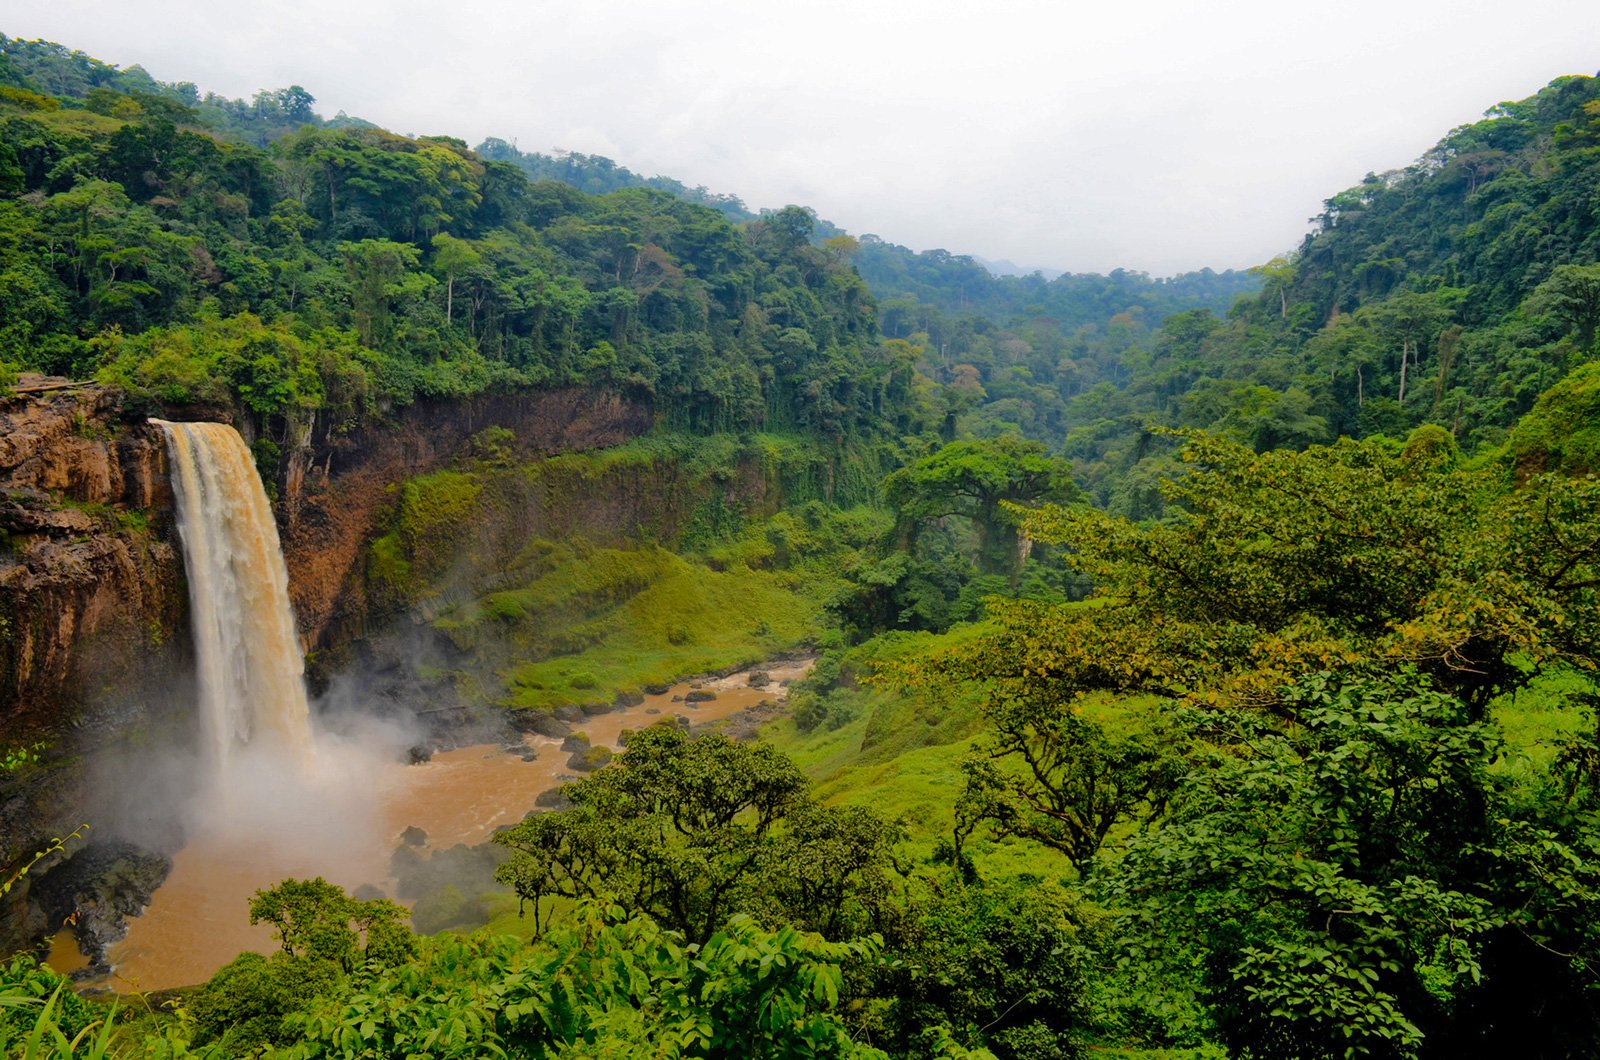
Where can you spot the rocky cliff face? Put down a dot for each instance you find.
(336, 489)
(93, 617)
(91, 578)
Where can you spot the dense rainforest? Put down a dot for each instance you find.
(1206, 664)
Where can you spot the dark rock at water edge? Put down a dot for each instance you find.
(97, 890)
(593, 709)
(569, 713)
(575, 742)
(746, 725)
(760, 679)
(699, 695)
(628, 699)
(539, 722)
(657, 689)
(553, 799)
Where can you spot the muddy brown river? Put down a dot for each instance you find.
(198, 919)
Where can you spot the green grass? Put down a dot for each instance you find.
(594, 622)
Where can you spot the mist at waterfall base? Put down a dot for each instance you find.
(256, 765)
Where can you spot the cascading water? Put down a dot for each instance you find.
(251, 673)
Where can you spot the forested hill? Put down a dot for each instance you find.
(597, 175)
(50, 68)
(1452, 292)
(344, 268)
(959, 283)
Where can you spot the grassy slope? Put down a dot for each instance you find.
(570, 579)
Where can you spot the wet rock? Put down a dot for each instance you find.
(578, 741)
(628, 699)
(414, 837)
(760, 679)
(677, 699)
(405, 860)
(554, 799)
(539, 722)
(417, 754)
(97, 890)
(657, 689)
(529, 755)
(589, 759)
(652, 710)
(569, 713)
(700, 695)
(593, 709)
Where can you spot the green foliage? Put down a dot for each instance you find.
(603, 986)
(1285, 563)
(1333, 877)
(996, 965)
(1562, 430)
(690, 831)
(36, 1005)
(16, 758)
(984, 482)
(245, 1006)
(317, 920)
(1079, 782)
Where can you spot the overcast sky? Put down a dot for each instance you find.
(1161, 136)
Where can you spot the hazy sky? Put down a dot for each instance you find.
(1161, 136)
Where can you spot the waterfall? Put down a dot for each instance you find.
(251, 673)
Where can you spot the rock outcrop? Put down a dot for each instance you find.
(93, 617)
(337, 487)
(91, 578)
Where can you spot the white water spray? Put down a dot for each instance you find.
(252, 675)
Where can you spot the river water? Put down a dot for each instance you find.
(198, 919)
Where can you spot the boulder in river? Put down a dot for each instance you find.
(589, 759)
(552, 799)
(539, 722)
